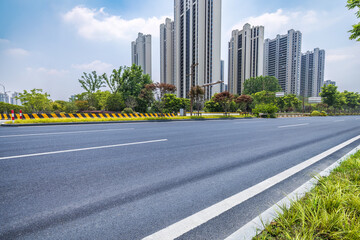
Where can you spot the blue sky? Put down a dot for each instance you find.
(48, 44)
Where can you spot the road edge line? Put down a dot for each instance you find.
(252, 228)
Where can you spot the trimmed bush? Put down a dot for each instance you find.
(269, 110)
(323, 113)
(315, 114)
(127, 110)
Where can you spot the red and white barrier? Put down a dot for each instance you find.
(21, 115)
(12, 115)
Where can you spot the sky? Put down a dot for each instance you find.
(48, 44)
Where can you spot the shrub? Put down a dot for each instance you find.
(127, 110)
(268, 109)
(323, 113)
(6, 107)
(315, 114)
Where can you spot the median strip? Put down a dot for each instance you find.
(59, 133)
(82, 149)
(181, 227)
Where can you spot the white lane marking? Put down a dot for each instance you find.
(247, 122)
(81, 149)
(58, 133)
(252, 228)
(339, 121)
(183, 226)
(295, 125)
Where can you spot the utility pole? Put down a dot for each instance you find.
(192, 84)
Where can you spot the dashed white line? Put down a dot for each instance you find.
(82, 149)
(59, 133)
(179, 228)
(295, 125)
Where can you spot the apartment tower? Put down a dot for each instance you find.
(246, 56)
(141, 52)
(167, 52)
(197, 45)
(282, 59)
(312, 73)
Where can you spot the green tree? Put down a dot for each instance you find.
(196, 95)
(352, 99)
(288, 103)
(269, 110)
(100, 99)
(161, 89)
(115, 80)
(244, 102)
(258, 84)
(264, 97)
(91, 82)
(330, 95)
(35, 101)
(355, 32)
(115, 102)
(133, 81)
(82, 105)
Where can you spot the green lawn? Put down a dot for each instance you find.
(330, 211)
(66, 120)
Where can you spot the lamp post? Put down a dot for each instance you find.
(192, 85)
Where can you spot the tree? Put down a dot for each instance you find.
(196, 93)
(355, 32)
(91, 82)
(115, 102)
(258, 84)
(161, 89)
(82, 105)
(224, 99)
(115, 80)
(131, 102)
(352, 99)
(288, 103)
(35, 101)
(133, 81)
(264, 97)
(329, 95)
(244, 101)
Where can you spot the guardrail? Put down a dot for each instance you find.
(86, 115)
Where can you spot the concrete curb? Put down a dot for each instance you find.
(109, 122)
(255, 226)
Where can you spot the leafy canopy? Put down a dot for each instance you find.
(258, 84)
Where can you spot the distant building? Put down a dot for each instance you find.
(328, 82)
(282, 59)
(312, 73)
(167, 52)
(197, 45)
(246, 56)
(141, 52)
(13, 99)
(4, 98)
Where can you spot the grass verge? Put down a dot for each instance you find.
(329, 211)
(69, 120)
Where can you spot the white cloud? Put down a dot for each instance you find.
(17, 52)
(338, 57)
(94, 66)
(98, 25)
(281, 21)
(47, 71)
(4, 41)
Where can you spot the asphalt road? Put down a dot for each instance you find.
(128, 181)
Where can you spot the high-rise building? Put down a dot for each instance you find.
(328, 82)
(312, 73)
(197, 45)
(282, 59)
(246, 56)
(4, 98)
(14, 100)
(167, 52)
(141, 52)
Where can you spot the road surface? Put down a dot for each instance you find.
(131, 180)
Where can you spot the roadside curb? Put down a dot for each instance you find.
(109, 122)
(256, 225)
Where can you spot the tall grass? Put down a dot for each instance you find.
(330, 211)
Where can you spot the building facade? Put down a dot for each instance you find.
(246, 56)
(312, 73)
(197, 45)
(167, 52)
(141, 52)
(14, 99)
(282, 59)
(222, 76)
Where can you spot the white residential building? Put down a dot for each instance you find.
(282, 59)
(312, 73)
(197, 45)
(246, 56)
(167, 52)
(141, 52)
